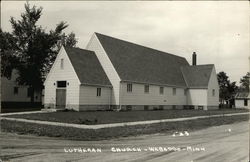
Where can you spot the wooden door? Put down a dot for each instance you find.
(60, 98)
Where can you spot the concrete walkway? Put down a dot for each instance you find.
(100, 126)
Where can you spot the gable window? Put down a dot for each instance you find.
(213, 92)
(61, 84)
(15, 90)
(98, 92)
(174, 91)
(161, 90)
(129, 87)
(62, 63)
(185, 92)
(245, 102)
(146, 88)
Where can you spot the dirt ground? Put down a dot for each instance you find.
(227, 143)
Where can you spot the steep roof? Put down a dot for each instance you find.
(197, 76)
(141, 64)
(87, 67)
(242, 95)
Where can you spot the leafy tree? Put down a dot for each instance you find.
(227, 89)
(244, 81)
(31, 48)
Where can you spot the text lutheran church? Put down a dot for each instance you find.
(116, 74)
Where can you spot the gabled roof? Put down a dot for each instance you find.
(242, 95)
(197, 76)
(141, 64)
(87, 67)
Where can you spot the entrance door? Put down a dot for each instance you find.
(60, 98)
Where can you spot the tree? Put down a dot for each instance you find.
(227, 89)
(34, 48)
(244, 81)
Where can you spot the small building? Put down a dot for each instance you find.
(242, 100)
(116, 74)
(14, 95)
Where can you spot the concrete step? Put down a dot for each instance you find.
(52, 110)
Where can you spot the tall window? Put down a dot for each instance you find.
(129, 87)
(185, 92)
(15, 90)
(146, 88)
(62, 63)
(213, 92)
(98, 93)
(174, 91)
(161, 90)
(29, 92)
(245, 102)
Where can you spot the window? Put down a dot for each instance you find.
(146, 88)
(161, 90)
(15, 90)
(98, 93)
(62, 63)
(29, 91)
(129, 87)
(174, 91)
(185, 92)
(245, 102)
(213, 92)
(61, 84)
(146, 107)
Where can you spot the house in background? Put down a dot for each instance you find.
(242, 100)
(116, 74)
(14, 95)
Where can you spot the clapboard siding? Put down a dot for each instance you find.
(139, 97)
(197, 97)
(213, 84)
(239, 103)
(95, 45)
(7, 90)
(88, 95)
(66, 74)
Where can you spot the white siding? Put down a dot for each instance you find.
(88, 95)
(7, 90)
(240, 104)
(66, 74)
(138, 97)
(197, 97)
(95, 45)
(213, 84)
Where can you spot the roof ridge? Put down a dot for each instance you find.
(162, 52)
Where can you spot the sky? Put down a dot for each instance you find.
(217, 31)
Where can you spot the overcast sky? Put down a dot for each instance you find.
(217, 31)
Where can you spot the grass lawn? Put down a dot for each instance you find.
(104, 117)
(116, 132)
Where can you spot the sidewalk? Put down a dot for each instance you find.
(100, 126)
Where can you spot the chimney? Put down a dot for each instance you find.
(194, 59)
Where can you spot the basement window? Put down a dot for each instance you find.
(146, 88)
(98, 92)
(129, 87)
